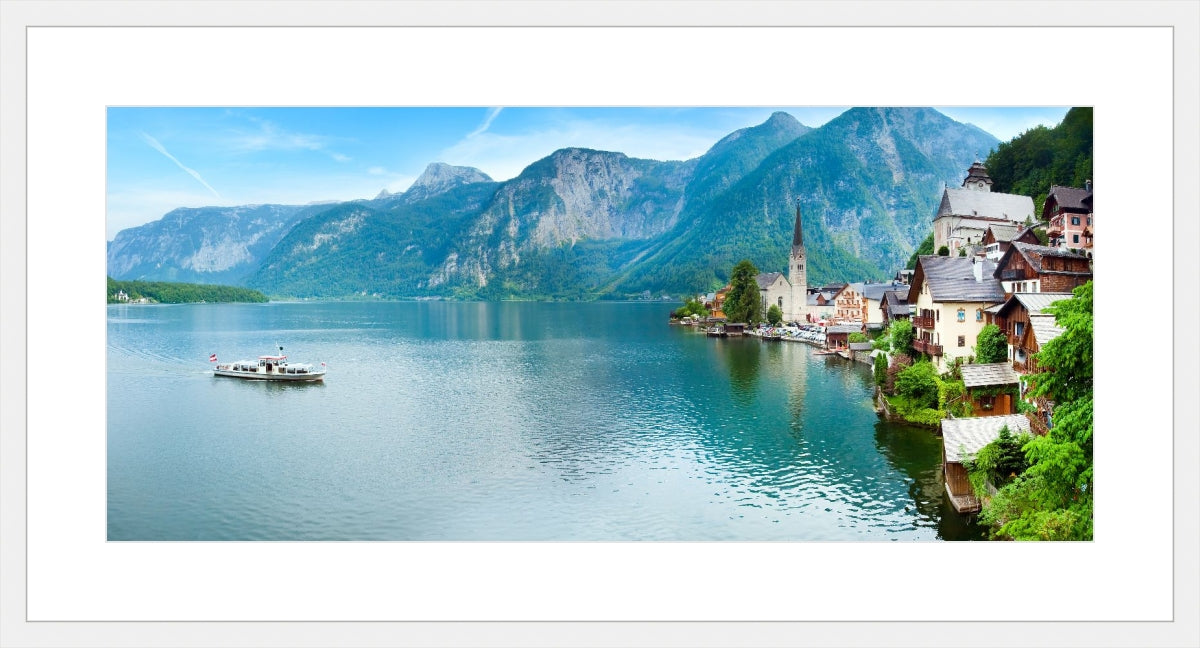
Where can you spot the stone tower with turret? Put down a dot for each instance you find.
(798, 273)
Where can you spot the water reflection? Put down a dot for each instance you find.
(510, 421)
(742, 358)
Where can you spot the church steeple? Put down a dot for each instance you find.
(977, 177)
(797, 275)
(798, 235)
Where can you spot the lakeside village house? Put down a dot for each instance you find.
(1004, 277)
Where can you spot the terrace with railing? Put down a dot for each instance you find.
(923, 321)
(927, 346)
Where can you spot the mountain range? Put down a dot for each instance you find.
(583, 223)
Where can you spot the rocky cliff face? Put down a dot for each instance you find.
(572, 195)
(204, 245)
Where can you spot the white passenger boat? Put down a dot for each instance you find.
(270, 367)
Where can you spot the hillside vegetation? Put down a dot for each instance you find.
(1040, 157)
(165, 292)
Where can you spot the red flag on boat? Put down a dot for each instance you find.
(212, 358)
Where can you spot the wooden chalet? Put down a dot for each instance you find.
(1038, 268)
(734, 329)
(999, 237)
(983, 381)
(838, 335)
(1023, 321)
(961, 440)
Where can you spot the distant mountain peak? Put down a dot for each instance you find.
(440, 177)
(779, 117)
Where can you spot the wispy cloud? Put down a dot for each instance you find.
(487, 122)
(192, 172)
(270, 137)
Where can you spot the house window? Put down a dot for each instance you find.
(1074, 220)
(987, 402)
(962, 340)
(962, 315)
(978, 314)
(1020, 327)
(1089, 220)
(781, 302)
(1074, 238)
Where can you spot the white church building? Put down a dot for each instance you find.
(965, 214)
(789, 293)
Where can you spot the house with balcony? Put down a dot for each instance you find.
(965, 214)
(1068, 213)
(962, 439)
(1039, 268)
(1026, 325)
(949, 295)
(848, 304)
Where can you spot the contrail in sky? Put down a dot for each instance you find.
(159, 147)
(491, 116)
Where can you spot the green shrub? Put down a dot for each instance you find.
(774, 315)
(919, 384)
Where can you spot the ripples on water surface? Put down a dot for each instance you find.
(509, 421)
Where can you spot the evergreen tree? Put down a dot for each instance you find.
(1040, 157)
(924, 249)
(743, 303)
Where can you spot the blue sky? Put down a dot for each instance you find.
(163, 158)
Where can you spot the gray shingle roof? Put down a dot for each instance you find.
(983, 375)
(1004, 233)
(991, 204)
(1044, 328)
(860, 346)
(1068, 198)
(962, 438)
(952, 279)
(1037, 302)
(897, 302)
(1034, 254)
(766, 279)
(844, 328)
(875, 290)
